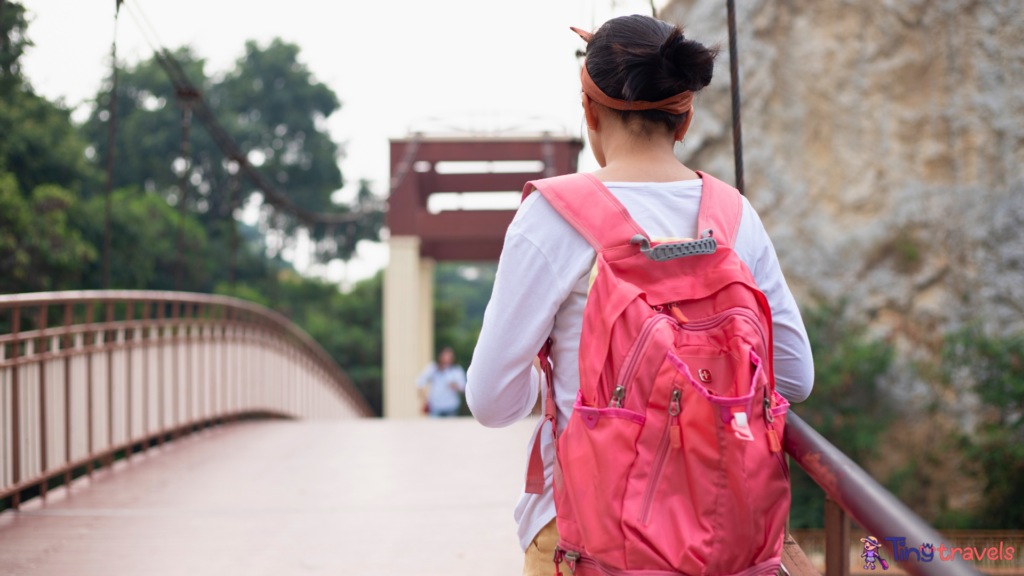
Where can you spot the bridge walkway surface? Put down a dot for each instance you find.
(362, 496)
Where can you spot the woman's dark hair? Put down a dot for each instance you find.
(638, 58)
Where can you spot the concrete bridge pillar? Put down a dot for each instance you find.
(408, 324)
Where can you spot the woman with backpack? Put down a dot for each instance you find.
(666, 333)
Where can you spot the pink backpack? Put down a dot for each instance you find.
(672, 461)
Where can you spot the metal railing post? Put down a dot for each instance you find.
(175, 368)
(837, 539)
(41, 351)
(89, 343)
(161, 419)
(129, 343)
(67, 345)
(15, 408)
(109, 340)
(145, 340)
(187, 313)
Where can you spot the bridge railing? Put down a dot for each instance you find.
(853, 493)
(88, 375)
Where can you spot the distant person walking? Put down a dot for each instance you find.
(441, 384)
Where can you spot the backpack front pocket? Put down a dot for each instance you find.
(725, 437)
(689, 486)
(671, 437)
(598, 439)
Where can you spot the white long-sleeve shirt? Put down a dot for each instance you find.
(541, 289)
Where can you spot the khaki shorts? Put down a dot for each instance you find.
(540, 554)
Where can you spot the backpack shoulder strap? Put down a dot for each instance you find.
(589, 207)
(721, 207)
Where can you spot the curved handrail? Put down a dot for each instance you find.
(168, 296)
(864, 499)
(157, 365)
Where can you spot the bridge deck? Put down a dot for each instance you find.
(277, 498)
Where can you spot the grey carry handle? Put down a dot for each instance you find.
(672, 250)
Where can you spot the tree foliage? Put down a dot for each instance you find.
(275, 110)
(993, 368)
(347, 325)
(39, 145)
(39, 250)
(52, 206)
(279, 113)
(847, 405)
(143, 241)
(42, 170)
(461, 293)
(13, 42)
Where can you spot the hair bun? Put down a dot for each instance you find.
(685, 64)
(637, 58)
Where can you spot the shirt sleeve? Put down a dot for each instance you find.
(503, 385)
(460, 378)
(793, 363)
(424, 378)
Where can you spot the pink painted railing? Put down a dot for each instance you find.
(87, 376)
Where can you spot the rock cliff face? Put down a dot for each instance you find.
(884, 150)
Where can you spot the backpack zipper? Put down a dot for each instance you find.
(716, 319)
(619, 394)
(659, 458)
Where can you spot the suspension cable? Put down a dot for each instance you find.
(111, 132)
(220, 136)
(185, 102)
(734, 75)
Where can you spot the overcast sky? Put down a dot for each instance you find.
(395, 65)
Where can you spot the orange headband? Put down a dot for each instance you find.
(679, 104)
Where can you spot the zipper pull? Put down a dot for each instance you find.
(572, 557)
(617, 397)
(678, 314)
(558, 560)
(773, 437)
(676, 433)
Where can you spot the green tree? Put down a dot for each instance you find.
(42, 170)
(352, 331)
(347, 325)
(143, 233)
(38, 143)
(275, 110)
(462, 291)
(280, 110)
(13, 41)
(52, 209)
(39, 250)
(993, 368)
(847, 405)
